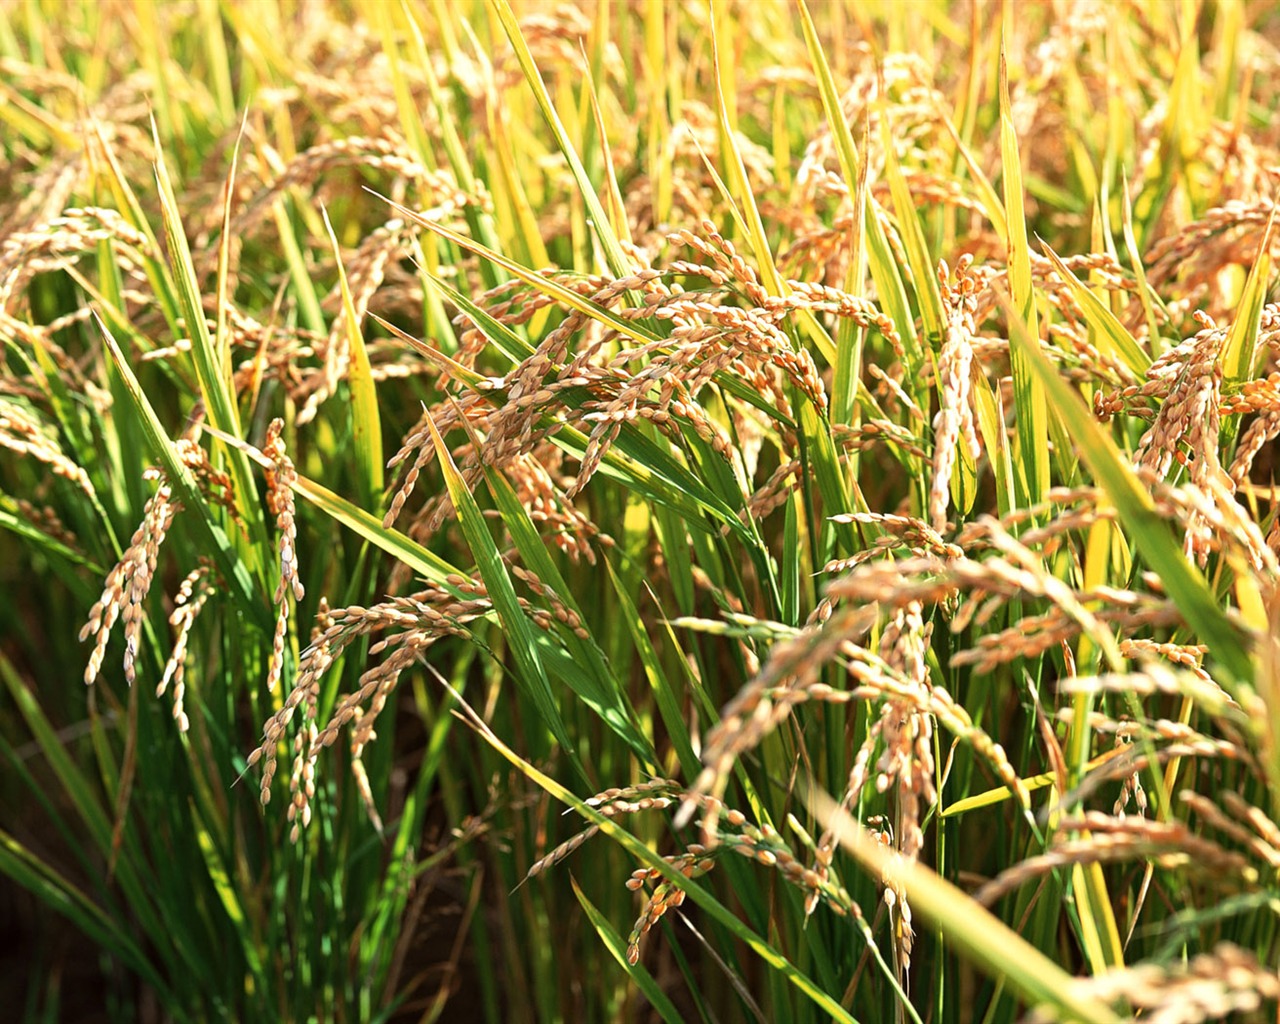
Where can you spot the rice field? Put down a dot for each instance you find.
(647, 511)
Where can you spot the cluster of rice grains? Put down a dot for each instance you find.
(698, 346)
(128, 584)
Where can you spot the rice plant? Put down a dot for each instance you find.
(633, 512)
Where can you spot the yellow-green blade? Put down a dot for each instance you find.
(366, 425)
(1028, 392)
(1109, 332)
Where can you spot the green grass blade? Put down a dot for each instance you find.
(1001, 793)
(1099, 933)
(301, 285)
(1108, 330)
(366, 425)
(128, 204)
(665, 694)
(923, 268)
(982, 938)
(618, 950)
(615, 259)
(565, 296)
(410, 117)
(989, 411)
(986, 191)
(740, 198)
(216, 55)
(222, 336)
(1144, 527)
(738, 183)
(1238, 354)
(370, 527)
(227, 893)
(851, 338)
(1179, 134)
(774, 959)
(884, 268)
(361, 521)
(590, 677)
(617, 208)
(215, 384)
(10, 520)
(59, 894)
(516, 627)
(215, 540)
(75, 784)
(1145, 294)
(1028, 392)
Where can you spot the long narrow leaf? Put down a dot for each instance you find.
(1028, 391)
(515, 624)
(982, 938)
(609, 827)
(1144, 527)
(366, 425)
(211, 369)
(1109, 331)
(615, 258)
(186, 490)
(618, 949)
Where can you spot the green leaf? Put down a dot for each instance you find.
(1143, 525)
(1238, 356)
(366, 426)
(974, 931)
(644, 855)
(884, 268)
(212, 371)
(76, 785)
(225, 888)
(59, 894)
(665, 694)
(1028, 392)
(516, 627)
(1001, 793)
(1109, 332)
(368, 526)
(251, 601)
(738, 184)
(618, 949)
(589, 676)
(614, 257)
(1146, 295)
(23, 527)
(986, 191)
(923, 272)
